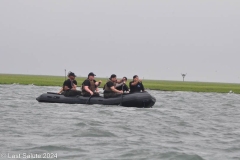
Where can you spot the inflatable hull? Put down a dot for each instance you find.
(140, 100)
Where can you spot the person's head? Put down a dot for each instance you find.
(71, 75)
(113, 77)
(125, 79)
(135, 78)
(91, 76)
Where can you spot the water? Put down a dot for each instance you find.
(181, 125)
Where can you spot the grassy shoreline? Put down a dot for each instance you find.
(162, 85)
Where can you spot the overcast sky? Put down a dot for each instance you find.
(156, 39)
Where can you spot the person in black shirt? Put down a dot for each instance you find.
(90, 86)
(70, 86)
(109, 88)
(136, 85)
(122, 86)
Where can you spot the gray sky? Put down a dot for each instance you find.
(156, 39)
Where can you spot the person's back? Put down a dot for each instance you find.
(136, 85)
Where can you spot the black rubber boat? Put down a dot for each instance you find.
(140, 100)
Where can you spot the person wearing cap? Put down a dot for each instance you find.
(110, 87)
(136, 85)
(122, 86)
(90, 86)
(70, 86)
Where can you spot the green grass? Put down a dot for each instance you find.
(150, 84)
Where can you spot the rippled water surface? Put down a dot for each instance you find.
(181, 125)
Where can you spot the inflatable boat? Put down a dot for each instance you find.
(140, 100)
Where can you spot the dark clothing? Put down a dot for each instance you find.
(125, 88)
(107, 87)
(72, 93)
(111, 94)
(137, 88)
(87, 94)
(69, 83)
(69, 92)
(108, 93)
(91, 85)
(110, 84)
(87, 82)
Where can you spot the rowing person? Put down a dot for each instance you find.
(110, 87)
(123, 86)
(70, 86)
(90, 86)
(136, 85)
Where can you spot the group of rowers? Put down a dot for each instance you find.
(112, 88)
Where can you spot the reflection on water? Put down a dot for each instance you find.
(181, 125)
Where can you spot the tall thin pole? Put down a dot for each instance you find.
(183, 75)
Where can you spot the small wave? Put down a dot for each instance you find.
(145, 154)
(96, 123)
(95, 133)
(81, 124)
(56, 148)
(180, 156)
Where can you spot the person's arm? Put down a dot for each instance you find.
(134, 83)
(98, 83)
(86, 88)
(112, 87)
(60, 91)
(97, 90)
(115, 90)
(119, 84)
(120, 81)
(86, 85)
(65, 85)
(74, 85)
(66, 88)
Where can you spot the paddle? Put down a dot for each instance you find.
(89, 99)
(122, 96)
(51, 93)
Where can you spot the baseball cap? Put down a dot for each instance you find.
(135, 76)
(91, 74)
(113, 76)
(71, 74)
